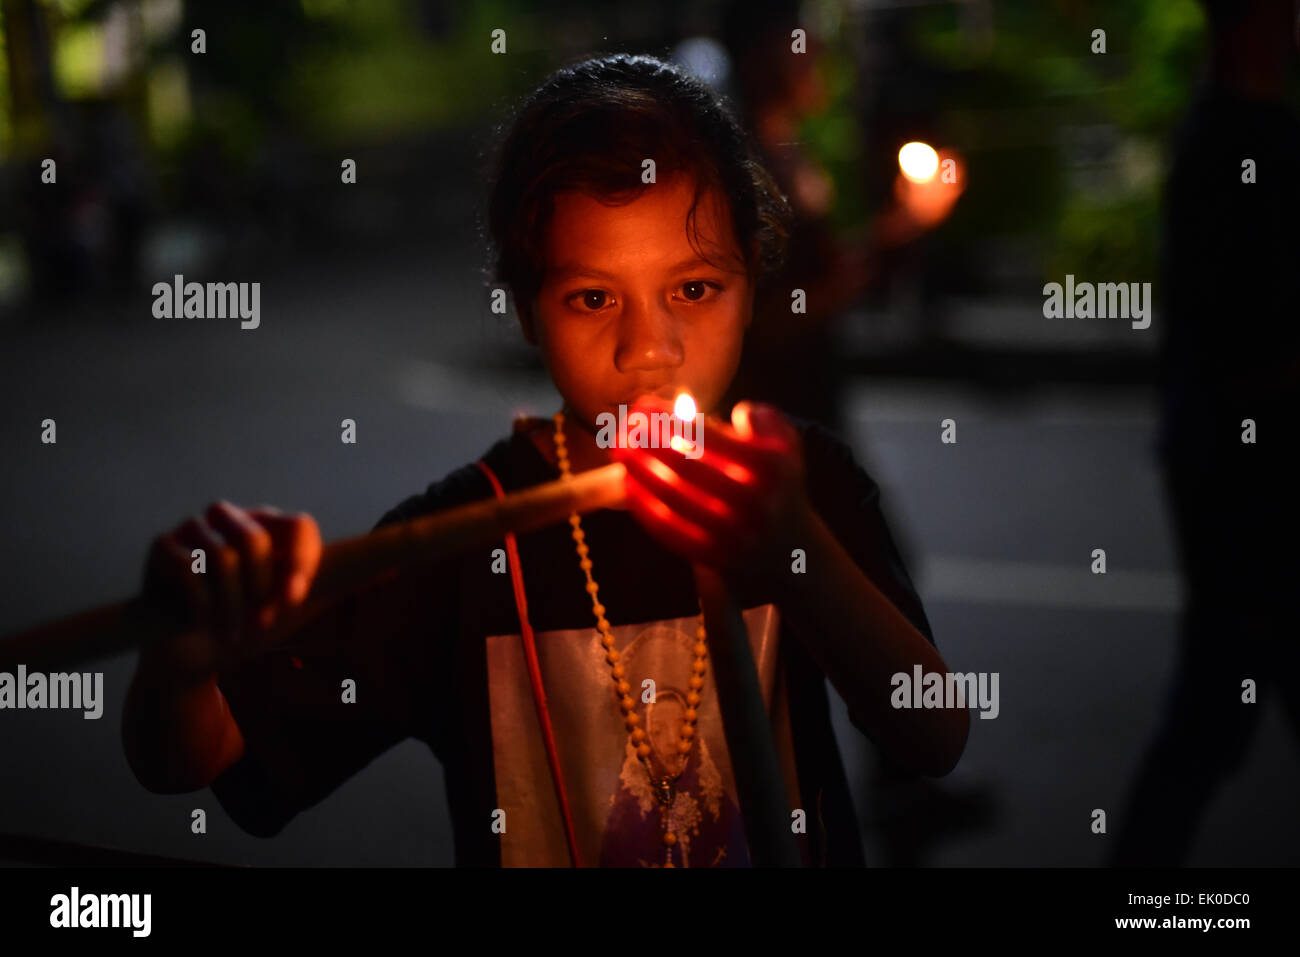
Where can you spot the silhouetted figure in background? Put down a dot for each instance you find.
(1230, 353)
(789, 358)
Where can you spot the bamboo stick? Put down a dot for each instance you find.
(345, 565)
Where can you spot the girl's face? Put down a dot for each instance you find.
(627, 307)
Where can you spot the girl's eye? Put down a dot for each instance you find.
(593, 300)
(697, 290)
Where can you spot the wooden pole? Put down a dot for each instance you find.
(747, 728)
(354, 562)
(345, 565)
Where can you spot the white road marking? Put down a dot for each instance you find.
(996, 582)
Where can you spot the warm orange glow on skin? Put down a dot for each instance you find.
(637, 299)
(715, 506)
(738, 473)
(740, 420)
(662, 472)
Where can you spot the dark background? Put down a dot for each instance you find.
(225, 167)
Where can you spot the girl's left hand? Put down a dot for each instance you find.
(741, 506)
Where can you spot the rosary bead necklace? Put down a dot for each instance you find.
(663, 784)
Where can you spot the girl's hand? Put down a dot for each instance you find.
(259, 564)
(741, 506)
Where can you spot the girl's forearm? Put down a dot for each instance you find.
(860, 640)
(178, 736)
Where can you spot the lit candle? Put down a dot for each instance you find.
(918, 161)
(684, 407)
(684, 411)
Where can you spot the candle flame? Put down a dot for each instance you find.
(684, 407)
(918, 161)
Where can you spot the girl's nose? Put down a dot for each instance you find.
(647, 340)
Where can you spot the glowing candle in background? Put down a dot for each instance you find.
(918, 161)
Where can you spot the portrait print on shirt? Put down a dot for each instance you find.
(616, 811)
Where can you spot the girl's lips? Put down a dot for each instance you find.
(651, 398)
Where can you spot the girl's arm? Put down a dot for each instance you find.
(177, 730)
(860, 639)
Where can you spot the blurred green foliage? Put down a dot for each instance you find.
(1024, 106)
(1064, 148)
(327, 70)
(5, 107)
(834, 136)
(389, 77)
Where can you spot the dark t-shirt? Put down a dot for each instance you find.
(430, 653)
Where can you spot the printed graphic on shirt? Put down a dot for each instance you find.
(618, 814)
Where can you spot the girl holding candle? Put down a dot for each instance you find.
(567, 689)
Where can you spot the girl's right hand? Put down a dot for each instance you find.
(257, 564)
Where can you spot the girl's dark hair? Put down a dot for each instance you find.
(589, 126)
